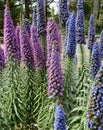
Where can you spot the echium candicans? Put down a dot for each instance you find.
(95, 61)
(80, 38)
(37, 48)
(91, 33)
(26, 25)
(63, 11)
(95, 103)
(55, 79)
(60, 121)
(2, 58)
(26, 49)
(17, 31)
(11, 46)
(101, 45)
(53, 35)
(41, 18)
(66, 37)
(34, 17)
(71, 37)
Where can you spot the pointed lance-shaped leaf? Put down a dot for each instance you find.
(63, 11)
(41, 18)
(80, 38)
(91, 33)
(95, 61)
(71, 37)
(101, 45)
(11, 46)
(95, 103)
(37, 48)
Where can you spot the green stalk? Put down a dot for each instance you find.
(43, 41)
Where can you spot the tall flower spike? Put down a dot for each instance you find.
(11, 46)
(41, 18)
(55, 81)
(95, 103)
(17, 31)
(80, 38)
(2, 58)
(34, 17)
(38, 51)
(95, 61)
(66, 37)
(53, 36)
(71, 38)
(101, 45)
(63, 11)
(60, 122)
(26, 49)
(91, 33)
(26, 25)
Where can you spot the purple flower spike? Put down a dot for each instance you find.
(17, 31)
(26, 49)
(10, 40)
(60, 122)
(101, 45)
(71, 37)
(55, 81)
(95, 61)
(80, 38)
(2, 58)
(95, 103)
(91, 33)
(38, 51)
(63, 11)
(53, 36)
(41, 18)
(34, 17)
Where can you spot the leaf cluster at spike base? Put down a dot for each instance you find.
(41, 19)
(63, 11)
(60, 122)
(101, 45)
(55, 86)
(80, 23)
(95, 104)
(95, 61)
(71, 37)
(91, 33)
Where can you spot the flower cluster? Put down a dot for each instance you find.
(53, 36)
(95, 61)
(34, 17)
(26, 25)
(41, 19)
(2, 58)
(63, 11)
(55, 81)
(66, 37)
(95, 104)
(91, 33)
(71, 37)
(80, 38)
(60, 122)
(17, 31)
(10, 40)
(101, 45)
(38, 51)
(26, 49)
